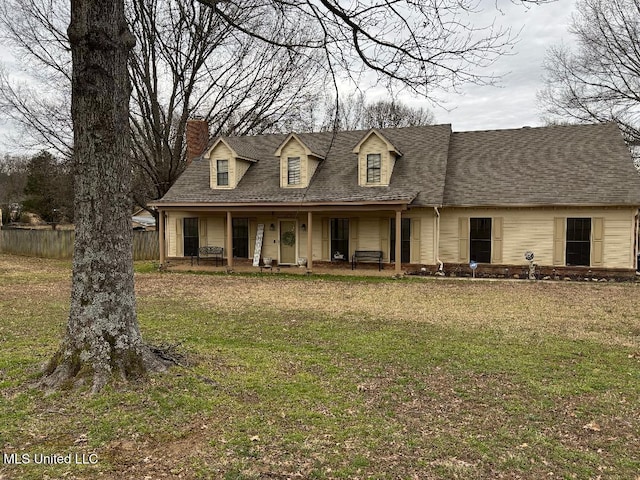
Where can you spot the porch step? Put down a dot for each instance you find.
(258, 249)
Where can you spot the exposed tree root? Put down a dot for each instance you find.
(67, 371)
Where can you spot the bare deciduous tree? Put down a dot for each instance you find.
(185, 62)
(103, 337)
(600, 79)
(354, 112)
(414, 45)
(13, 179)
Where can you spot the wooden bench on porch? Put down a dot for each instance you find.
(215, 253)
(366, 256)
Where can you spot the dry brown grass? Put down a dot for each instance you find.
(606, 313)
(338, 378)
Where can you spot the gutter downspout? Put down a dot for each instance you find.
(635, 240)
(440, 271)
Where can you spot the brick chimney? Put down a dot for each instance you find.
(197, 138)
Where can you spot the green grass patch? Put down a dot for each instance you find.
(337, 378)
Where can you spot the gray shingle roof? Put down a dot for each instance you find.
(558, 165)
(418, 176)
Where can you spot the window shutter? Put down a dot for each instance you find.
(497, 240)
(253, 231)
(597, 242)
(353, 234)
(179, 238)
(415, 240)
(325, 239)
(463, 239)
(202, 230)
(385, 227)
(559, 238)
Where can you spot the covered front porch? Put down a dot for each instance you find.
(308, 236)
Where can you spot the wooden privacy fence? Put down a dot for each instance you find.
(59, 243)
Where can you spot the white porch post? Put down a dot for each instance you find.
(161, 239)
(229, 246)
(309, 240)
(398, 241)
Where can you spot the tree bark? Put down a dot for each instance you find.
(102, 336)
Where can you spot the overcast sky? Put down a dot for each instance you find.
(513, 104)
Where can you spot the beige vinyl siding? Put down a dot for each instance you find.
(375, 144)
(422, 246)
(374, 234)
(312, 165)
(216, 232)
(241, 167)
(618, 241)
(369, 235)
(542, 231)
(211, 232)
(237, 167)
(221, 152)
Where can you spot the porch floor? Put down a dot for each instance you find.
(323, 268)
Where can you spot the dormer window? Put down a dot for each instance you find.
(298, 162)
(377, 157)
(227, 165)
(222, 177)
(374, 164)
(293, 171)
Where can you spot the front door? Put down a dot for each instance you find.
(191, 240)
(288, 242)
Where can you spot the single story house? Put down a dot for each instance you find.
(143, 220)
(422, 196)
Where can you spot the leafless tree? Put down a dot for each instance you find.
(414, 45)
(102, 337)
(13, 179)
(355, 112)
(599, 80)
(393, 113)
(185, 62)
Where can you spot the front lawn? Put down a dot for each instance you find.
(331, 378)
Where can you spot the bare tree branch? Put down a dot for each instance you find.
(600, 79)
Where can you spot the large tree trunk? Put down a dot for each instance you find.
(102, 336)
